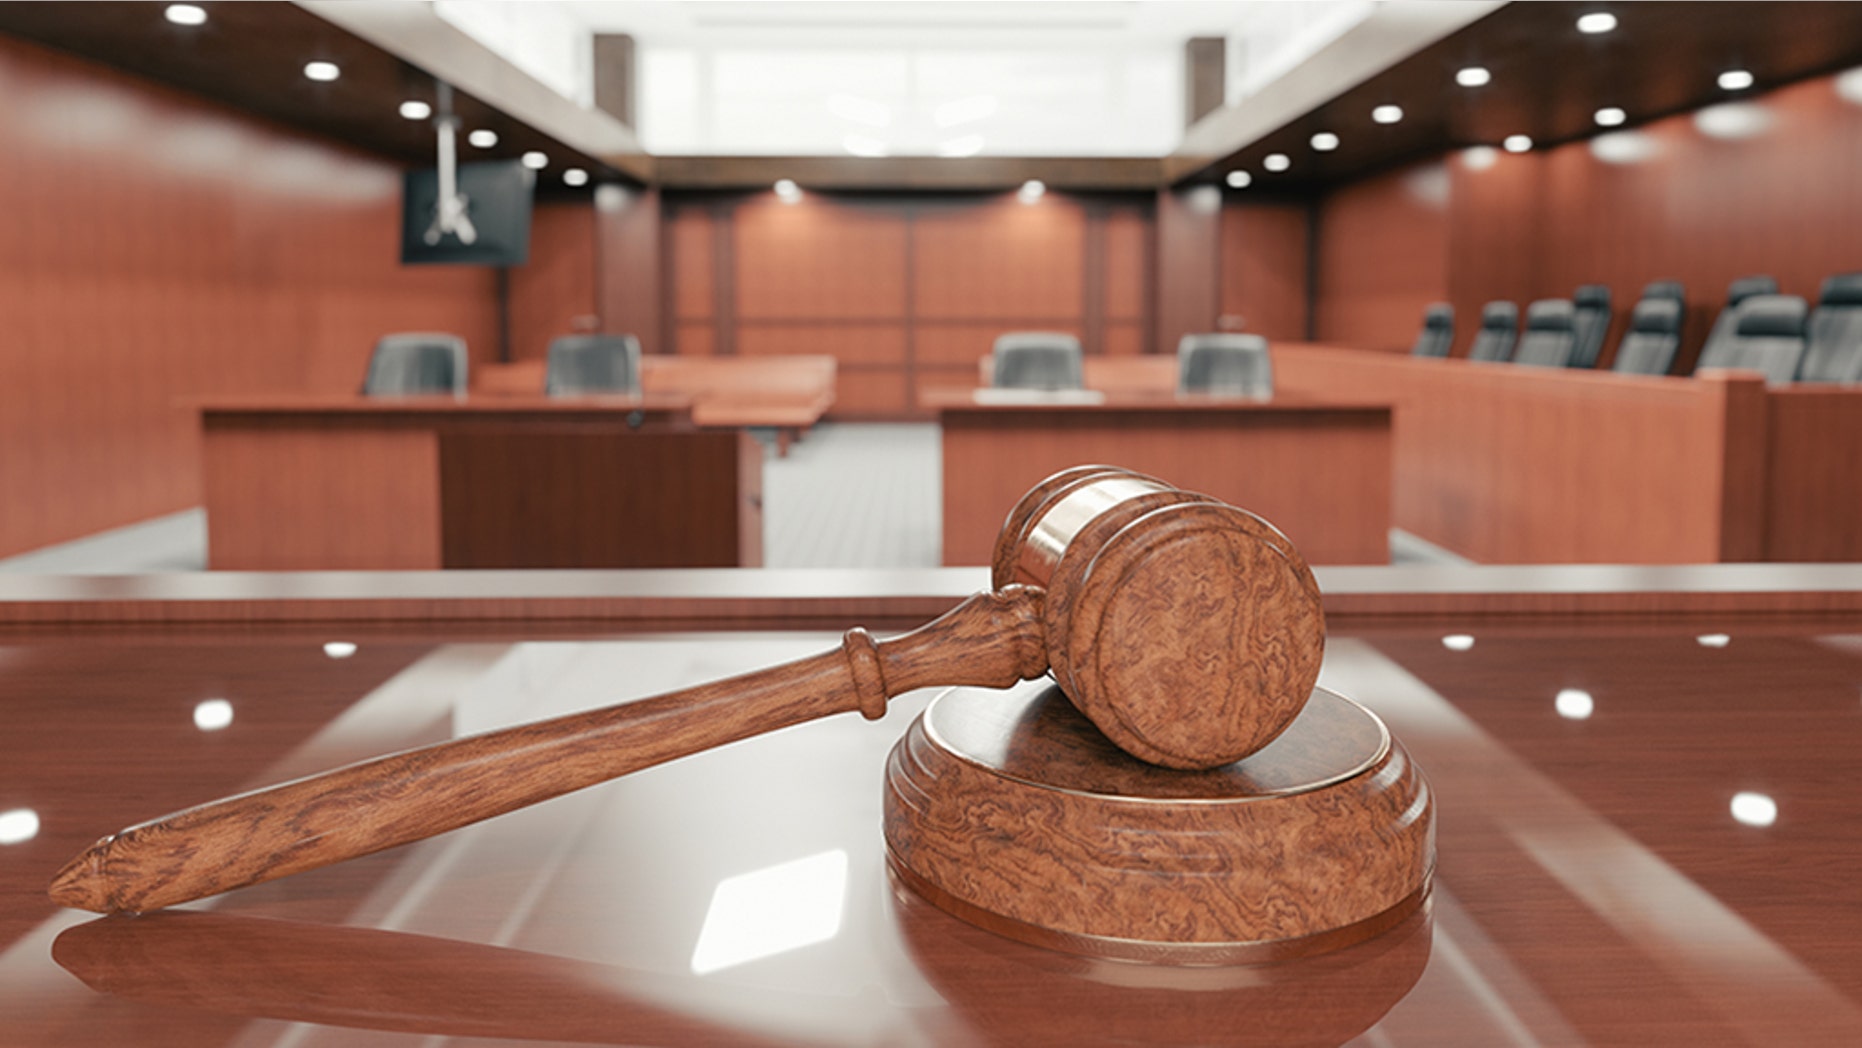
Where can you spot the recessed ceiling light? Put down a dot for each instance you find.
(185, 14)
(1387, 114)
(788, 191)
(414, 109)
(1473, 76)
(1031, 191)
(1325, 141)
(483, 138)
(1735, 80)
(574, 176)
(536, 161)
(1239, 179)
(1596, 22)
(1610, 116)
(323, 72)
(1276, 162)
(1517, 143)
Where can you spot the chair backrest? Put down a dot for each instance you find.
(1666, 289)
(1438, 331)
(1648, 347)
(1551, 334)
(1590, 322)
(1833, 352)
(1499, 327)
(1037, 360)
(1770, 336)
(1722, 339)
(417, 362)
(592, 364)
(1225, 363)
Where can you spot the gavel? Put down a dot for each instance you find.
(1187, 630)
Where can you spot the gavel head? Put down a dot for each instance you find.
(1188, 630)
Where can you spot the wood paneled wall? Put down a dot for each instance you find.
(554, 293)
(1770, 184)
(907, 293)
(158, 248)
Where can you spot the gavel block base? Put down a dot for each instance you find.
(1014, 813)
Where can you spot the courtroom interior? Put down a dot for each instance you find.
(374, 375)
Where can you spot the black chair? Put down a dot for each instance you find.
(1230, 364)
(1590, 322)
(1551, 334)
(415, 363)
(1499, 327)
(1437, 336)
(1648, 347)
(1833, 351)
(1769, 337)
(1666, 289)
(1722, 340)
(1037, 360)
(581, 364)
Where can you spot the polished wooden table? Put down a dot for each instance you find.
(1319, 470)
(1587, 733)
(433, 482)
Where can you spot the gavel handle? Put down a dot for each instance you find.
(990, 640)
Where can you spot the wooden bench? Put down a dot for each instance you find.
(786, 393)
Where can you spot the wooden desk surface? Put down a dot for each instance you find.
(1593, 886)
(661, 406)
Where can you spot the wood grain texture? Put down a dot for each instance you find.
(992, 640)
(1019, 810)
(382, 484)
(1319, 473)
(557, 291)
(1265, 250)
(1189, 246)
(629, 245)
(1382, 252)
(1812, 475)
(818, 257)
(999, 260)
(160, 247)
(1489, 465)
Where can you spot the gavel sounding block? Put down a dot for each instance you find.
(1014, 813)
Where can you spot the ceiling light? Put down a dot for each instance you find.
(574, 176)
(339, 649)
(1610, 116)
(185, 14)
(18, 826)
(1597, 22)
(483, 138)
(414, 109)
(1325, 141)
(1276, 162)
(1574, 704)
(323, 72)
(1239, 179)
(1387, 114)
(788, 191)
(1713, 640)
(1473, 76)
(1480, 158)
(1031, 191)
(536, 161)
(1458, 641)
(1754, 809)
(1517, 143)
(1735, 80)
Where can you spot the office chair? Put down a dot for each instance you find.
(1438, 331)
(581, 364)
(1590, 322)
(1237, 365)
(417, 362)
(1722, 339)
(1666, 289)
(1648, 347)
(1770, 337)
(1833, 352)
(1499, 326)
(1551, 334)
(1037, 360)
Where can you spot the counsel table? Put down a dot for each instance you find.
(430, 482)
(1318, 470)
(1592, 886)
